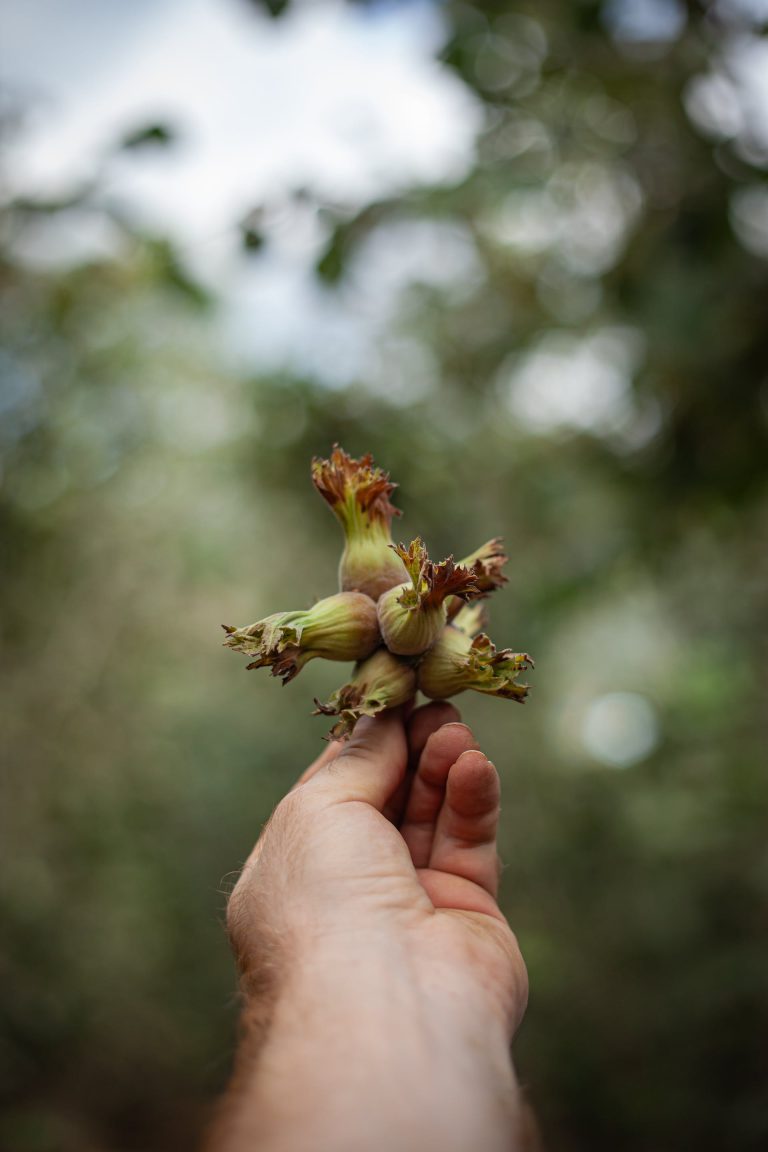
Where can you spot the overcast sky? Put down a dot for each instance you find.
(350, 102)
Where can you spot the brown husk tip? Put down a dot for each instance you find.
(285, 664)
(348, 705)
(487, 563)
(341, 479)
(497, 669)
(433, 582)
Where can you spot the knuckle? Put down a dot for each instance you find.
(236, 914)
(253, 894)
(247, 919)
(290, 809)
(241, 910)
(519, 972)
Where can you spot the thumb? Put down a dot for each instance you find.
(369, 766)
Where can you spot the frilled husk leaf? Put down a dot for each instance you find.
(358, 493)
(354, 489)
(486, 564)
(412, 616)
(382, 681)
(432, 583)
(340, 627)
(458, 662)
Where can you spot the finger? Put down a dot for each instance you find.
(420, 723)
(395, 805)
(441, 750)
(369, 766)
(330, 752)
(465, 837)
(423, 722)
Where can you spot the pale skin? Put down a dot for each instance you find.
(382, 985)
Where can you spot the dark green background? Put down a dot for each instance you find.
(141, 760)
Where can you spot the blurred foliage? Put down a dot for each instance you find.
(148, 494)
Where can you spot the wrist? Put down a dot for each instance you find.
(362, 1038)
(376, 972)
(380, 975)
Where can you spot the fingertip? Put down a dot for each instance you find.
(443, 747)
(454, 737)
(475, 754)
(370, 731)
(475, 761)
(360, 732)
(473, 786)
(425, 720)
(458, 724)
(437, 712)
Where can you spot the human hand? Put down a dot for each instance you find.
(367, 931)
(387, 839)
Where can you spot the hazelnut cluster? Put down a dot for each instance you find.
(411, 624)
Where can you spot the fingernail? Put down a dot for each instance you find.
(482, 758)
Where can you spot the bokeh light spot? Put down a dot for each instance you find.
(620, 728)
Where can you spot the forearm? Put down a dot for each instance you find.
(363, 1053)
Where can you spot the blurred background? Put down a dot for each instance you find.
(520, 253)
